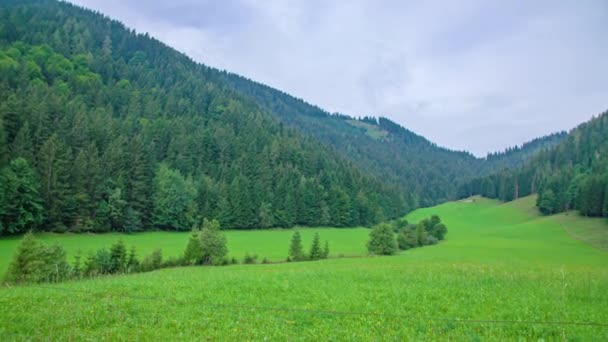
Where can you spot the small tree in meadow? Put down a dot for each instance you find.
(382, 240)
(315, 249)
(295, 248)
(132, 261)
(213, 243)
(118, 253)
(194, 252)
(326, 250)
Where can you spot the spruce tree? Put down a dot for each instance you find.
(22, 209)
(296, 252)
(325, 253)
(315, 249)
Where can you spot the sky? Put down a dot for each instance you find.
(477, 75)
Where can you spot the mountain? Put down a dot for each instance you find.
(104, 129)
(427, 173)
(571, 175)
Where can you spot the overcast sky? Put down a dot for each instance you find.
(469, 75)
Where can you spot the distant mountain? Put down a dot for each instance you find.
(426, 173)
(571, 175)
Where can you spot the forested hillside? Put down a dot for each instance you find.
(572, 175)
(103, 129)
(427, 173)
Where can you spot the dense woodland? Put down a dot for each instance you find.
(425, 173)
(572, 175)
(104, 129)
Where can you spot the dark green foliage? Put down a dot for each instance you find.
(153, 261)
(382, 240)
(174, 206)
(194, 252)
(400, 224)
(546, 202)
(407, 239)
(118, 256)
(296, 252)
(250, 259)
(132, 261)
(34, 262)
(421, 232)
(439, 231)
(213, 244)
(570, 175)
(20, 203)
(316, 252)
(126, 134)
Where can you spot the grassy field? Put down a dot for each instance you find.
(503, 273)
(270, 244)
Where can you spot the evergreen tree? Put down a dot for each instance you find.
(296, 253)
(316, 252)
(20, 206)
(132, 261)
(118, 253)
(194, 252)
(325, 253)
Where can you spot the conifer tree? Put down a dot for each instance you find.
(315, 249)
(296, 253)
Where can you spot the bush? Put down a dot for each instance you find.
(407, 239)
(382, 240)
(431, 240)
(153, 261)
(213, 244)
(250, 258)
(34, 262)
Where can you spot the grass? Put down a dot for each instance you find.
(500, 262)
(270, 244)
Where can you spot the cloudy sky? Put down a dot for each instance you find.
(470, 75)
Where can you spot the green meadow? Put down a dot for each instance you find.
(271, 244)
(503, 273)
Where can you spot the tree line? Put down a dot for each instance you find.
(573, 175)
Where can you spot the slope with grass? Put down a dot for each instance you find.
(503, 272)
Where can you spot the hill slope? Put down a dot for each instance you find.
(118, 132)
(572, 175)
(428, 173)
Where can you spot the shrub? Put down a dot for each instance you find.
(34, 262)
(431, 240)
(250, 258)
(382, 240)
(213, 244)
(194, 252)
(407, 239)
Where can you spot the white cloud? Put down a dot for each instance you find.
(475, 75)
